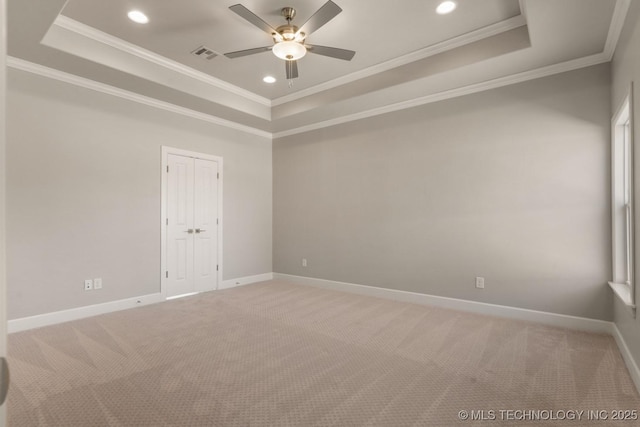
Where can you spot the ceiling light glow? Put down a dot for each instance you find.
(289, 50)
(446, 7)
(269, 79)
(137, 16)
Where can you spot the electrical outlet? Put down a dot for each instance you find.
(480, 282)
(88, 285)
(97, 283)
(304, 262)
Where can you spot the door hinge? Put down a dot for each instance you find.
(166, 274)
(167, 169)
(217, 267)
(167, 221)
(218, 175)
(217, 221)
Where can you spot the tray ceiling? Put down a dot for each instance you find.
(406, 54)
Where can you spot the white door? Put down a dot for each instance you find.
(192, 225)
(205, 221)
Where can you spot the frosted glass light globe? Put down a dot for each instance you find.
(289, 50)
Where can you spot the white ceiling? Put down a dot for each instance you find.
(406, 54)
(377, 34)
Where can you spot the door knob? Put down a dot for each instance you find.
(190, 231)
(200, 230)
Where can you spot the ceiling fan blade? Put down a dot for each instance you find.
(332, 52)
(323, 15)
(240, 53)
(292, 69)
(253, 18)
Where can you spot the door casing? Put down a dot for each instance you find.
(166, 151)
(3, 172)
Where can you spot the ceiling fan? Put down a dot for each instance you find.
(289, 40)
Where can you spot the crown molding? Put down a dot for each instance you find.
(43, 71)
(523, 8)
(465, 39)
(30, 67)
(454, 93)
(94, 34)
(615, 29)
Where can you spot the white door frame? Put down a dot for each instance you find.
(3, 175)
(163, 211)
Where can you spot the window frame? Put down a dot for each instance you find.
(622, 203)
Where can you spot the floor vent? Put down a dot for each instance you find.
(204, 53)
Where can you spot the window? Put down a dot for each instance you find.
(622, 205)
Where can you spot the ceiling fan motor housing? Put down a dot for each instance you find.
(288, 33)
(289, 42)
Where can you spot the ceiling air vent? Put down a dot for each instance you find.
(204, 53)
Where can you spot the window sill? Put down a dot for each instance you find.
(623, 291)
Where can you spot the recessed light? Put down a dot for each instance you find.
(269, 79)
(137, 16)
(446, 7)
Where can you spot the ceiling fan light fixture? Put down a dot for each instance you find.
(288, 35)
(446, 7)
(289, 40)
(137, 16)
(289, 50)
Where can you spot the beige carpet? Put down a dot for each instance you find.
(278, 354)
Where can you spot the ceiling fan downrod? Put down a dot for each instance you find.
(289, 13)
(289, 40)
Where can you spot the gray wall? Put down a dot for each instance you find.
(3, 270)
(510, 184)
(626, 69)
(84, 187)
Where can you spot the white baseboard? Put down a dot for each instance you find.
(47, 319)
(551, 319)
(632, 366)
(241, 281)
